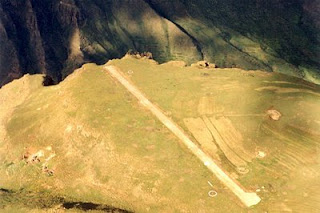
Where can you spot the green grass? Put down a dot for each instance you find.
(178, 90)
(120, 156)
(109, 150)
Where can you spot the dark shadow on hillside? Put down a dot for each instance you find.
(108, 29)
(86, 206)
(45, 200)
(48, 81)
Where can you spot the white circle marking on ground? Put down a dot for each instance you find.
(212, 193)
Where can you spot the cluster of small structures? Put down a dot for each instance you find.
(138, 55)
(32, 158)
(35, 158)
(204, 64)
(148, 55)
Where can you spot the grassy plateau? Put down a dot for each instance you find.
(87, 144)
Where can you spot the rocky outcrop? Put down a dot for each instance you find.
(54, 37)
(22, 38)
(9, 61)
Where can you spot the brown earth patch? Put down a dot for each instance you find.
(281, 90)
(228, 152)
(232, 137)
(201, 133)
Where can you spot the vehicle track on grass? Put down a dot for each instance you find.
(247, 198)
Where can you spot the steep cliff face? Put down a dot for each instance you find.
(9, 62)
(24, 39)
(281, 36)
(56, 36)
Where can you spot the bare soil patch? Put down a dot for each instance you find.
(232, 137)
(287, 90)
(201, 133)
(228, 152)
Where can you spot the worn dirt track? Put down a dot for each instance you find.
(247, 198)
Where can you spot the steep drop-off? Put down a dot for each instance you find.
(54, 37)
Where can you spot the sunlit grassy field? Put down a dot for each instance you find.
(287, 177)
(95, 143)
(108, 150)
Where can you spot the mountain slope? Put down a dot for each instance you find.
(54, 37)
